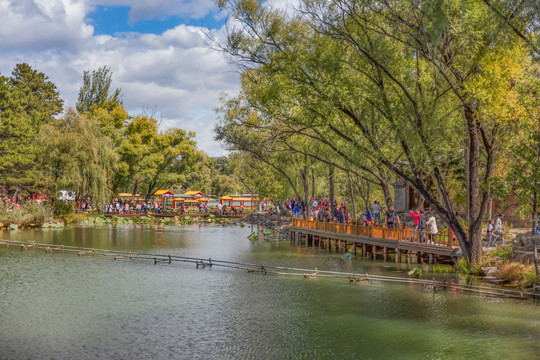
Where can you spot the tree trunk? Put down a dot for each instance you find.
(535, 215)
(135, 187)
(312, 184)
(474, 218)
(352, 196)
(331, 180)
(386, 192)
(306, 189)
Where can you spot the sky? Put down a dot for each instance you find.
(157, 50)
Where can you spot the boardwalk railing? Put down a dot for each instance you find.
(443, 238)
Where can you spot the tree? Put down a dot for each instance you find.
(173, 153)
(28, 101)
(410, 85)
(96, 91)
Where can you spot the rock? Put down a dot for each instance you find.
(488, 271)
(524, 257)
(525, 239)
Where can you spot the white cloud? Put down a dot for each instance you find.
(40, 25)
(151, 9)
(175, 73)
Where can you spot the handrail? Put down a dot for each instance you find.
(444, 237)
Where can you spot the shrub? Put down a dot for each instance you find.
(511, 272)
(530, 278)
(62, 210)
(29, 213)
(504, 252)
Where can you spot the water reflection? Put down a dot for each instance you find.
(63, 307)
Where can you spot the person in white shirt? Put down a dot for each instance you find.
(431, 228)
(498, 228)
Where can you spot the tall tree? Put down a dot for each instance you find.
(410, 85)
(96, 91)
(28, 101)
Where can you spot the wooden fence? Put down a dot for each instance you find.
(443, 238)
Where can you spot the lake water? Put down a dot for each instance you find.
(61, 306)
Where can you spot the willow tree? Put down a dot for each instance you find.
(410, 85)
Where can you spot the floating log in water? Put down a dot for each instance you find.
(276, 270)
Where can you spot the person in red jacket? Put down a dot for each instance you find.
(416, 216)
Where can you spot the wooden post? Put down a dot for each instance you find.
(354, 248)
(398, 256)
(385, 253)
(336, 245)
(408, 256)
(374, 251)
(450, 236)
(364, 251)
(430, 259)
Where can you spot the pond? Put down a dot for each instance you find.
(61, 306)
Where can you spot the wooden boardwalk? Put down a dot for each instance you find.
(373, 241)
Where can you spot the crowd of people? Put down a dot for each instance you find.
(424, 224)
(125, 207)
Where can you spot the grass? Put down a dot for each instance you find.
(504, 252)
(511, 272)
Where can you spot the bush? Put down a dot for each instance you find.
(504, 252)
(29, 213)
(511, 272)
(61, 209)
(530, 278)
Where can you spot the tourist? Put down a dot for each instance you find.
(490, 235)
(341, 215)
(320, 215)
(296, 211)
(431, 228)
(416, 216)
(498, 228)
(368, 219)
(423, 227)
(219, 207)
(376, 212)
(391, 218)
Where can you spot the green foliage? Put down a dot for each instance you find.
(62, 210)
(96, 91)
(504, 252)
(28, 101)
(415, 272)
(530, 278)
(29, 214)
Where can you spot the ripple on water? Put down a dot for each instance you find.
(63, 307)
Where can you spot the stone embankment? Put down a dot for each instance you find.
(273, 222)
(522, 251)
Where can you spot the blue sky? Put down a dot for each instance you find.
(111, 20)
(157, 51)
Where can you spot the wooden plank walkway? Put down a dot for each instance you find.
(372, 240)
